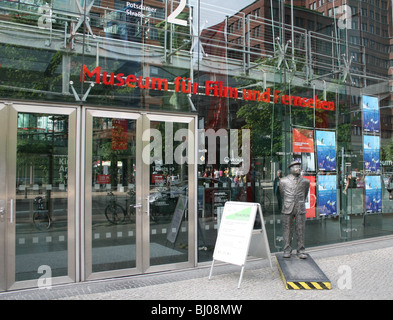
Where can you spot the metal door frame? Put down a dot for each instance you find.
(142, 220)
(78, 235)
(9, 144)
(192, 194)
(3, 193)
(86, 177)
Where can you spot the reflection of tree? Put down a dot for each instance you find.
(387, 152)
(267, 120)
(37, 148)
(20, 72)
(103, 149)
(178, 35)
(36, 155)
(258, 118)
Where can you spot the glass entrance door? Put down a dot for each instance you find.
(137, 200)
(112, 181)
(169, 189)
(137, 203)
(39, 206)
(3, 194)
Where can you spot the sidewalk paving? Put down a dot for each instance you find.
(357, 270)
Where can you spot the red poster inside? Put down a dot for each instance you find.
(157, 178)
(303, 140)
(119, 134)
(310, 203)
(103, 179)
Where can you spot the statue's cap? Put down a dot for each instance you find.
(294, 163)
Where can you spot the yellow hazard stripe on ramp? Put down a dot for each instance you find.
(328, 285)
(308, 285)
(292, 285)
(304, 285)
(316, 285)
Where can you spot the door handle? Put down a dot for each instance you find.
(148, 206)
(2, 212)
(139, 205)
(11, 210)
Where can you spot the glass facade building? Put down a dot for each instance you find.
(125, 126)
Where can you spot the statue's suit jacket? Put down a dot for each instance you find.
(294, 194)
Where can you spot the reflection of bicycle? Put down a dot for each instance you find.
(264, 200)
(41, 216)
(114, 212)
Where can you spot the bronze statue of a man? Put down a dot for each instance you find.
(294, 190)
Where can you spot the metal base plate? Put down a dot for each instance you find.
(301, 273)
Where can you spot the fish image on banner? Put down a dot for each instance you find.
(327, 195)
(326, 150)
(373, 194)
(370, 114)
(372, 159)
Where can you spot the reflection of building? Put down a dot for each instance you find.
(368, 33)
(257, 27)
(125, 20)
(319, 31)
(369, 40)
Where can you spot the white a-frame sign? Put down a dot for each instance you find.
(234, 242)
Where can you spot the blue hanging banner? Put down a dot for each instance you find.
(373, 194)
(370, 114)
(372, 161)
(327, 194)
(326, 150)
